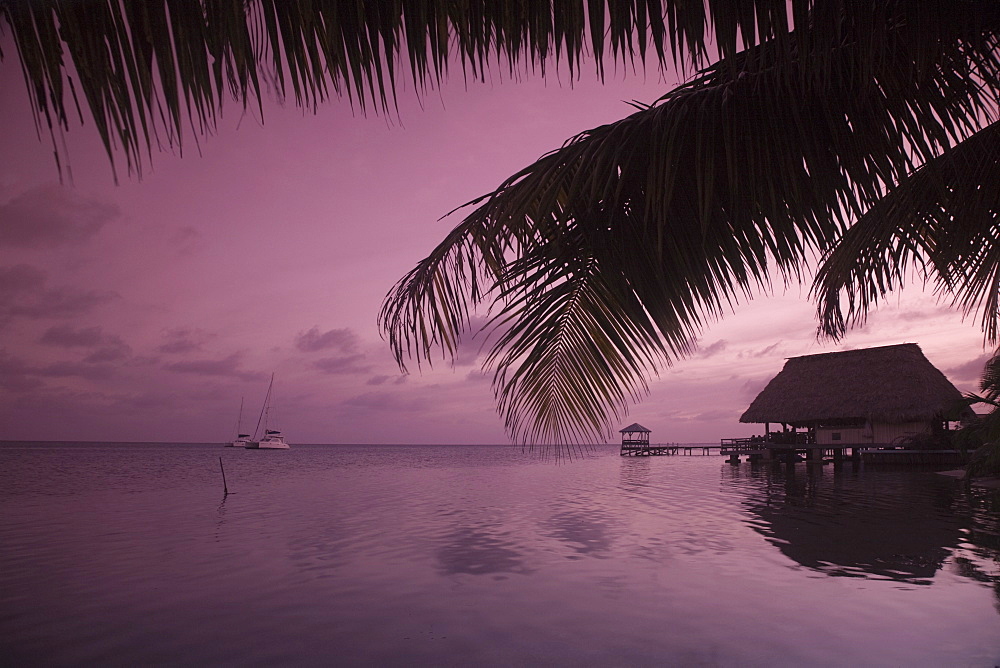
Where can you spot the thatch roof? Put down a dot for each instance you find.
(634, 427)
(886, 384)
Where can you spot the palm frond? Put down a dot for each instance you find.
(152, 72)
(989, 383)
(941, 222)
(607, 256)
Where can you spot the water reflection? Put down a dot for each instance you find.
(587, 533)
(479, 551)
(880, 524)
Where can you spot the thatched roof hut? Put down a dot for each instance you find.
(891, 384)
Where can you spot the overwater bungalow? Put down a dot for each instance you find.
(866, 399)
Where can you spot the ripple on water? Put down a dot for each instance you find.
(452, 555)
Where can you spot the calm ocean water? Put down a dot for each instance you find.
(128, 554)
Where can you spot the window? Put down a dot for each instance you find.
(835, 436)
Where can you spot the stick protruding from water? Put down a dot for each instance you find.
(225, 488)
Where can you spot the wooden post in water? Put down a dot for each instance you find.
(225, 488)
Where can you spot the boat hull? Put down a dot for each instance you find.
(268, 444)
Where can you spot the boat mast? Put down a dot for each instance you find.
(239, 420)
(263, 409)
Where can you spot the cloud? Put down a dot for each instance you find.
(719, 414)
(971, 371)
(66, 336)
(712, 350)
(312, 341)
(752, 387)
(49, 216)
(81, 370)
(228, 366)
(343, 364)
(182, 341)
(479, 376)
(109, 347)
(381, 380)
(14, 374)
(110, 353)
(387, 401)
(20, 279)
(767, 352)
(23, 293)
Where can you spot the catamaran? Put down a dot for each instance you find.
(272, 439)
(241, 440)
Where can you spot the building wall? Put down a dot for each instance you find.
(827, 435)
(887, 433)
(880, 433)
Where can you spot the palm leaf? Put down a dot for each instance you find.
(607, 256)
(940, 222)
(154, 71)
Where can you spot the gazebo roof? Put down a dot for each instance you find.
(889, 384)
(634, 427)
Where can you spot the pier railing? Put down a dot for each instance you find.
(742, 446)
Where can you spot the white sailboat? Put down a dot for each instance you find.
(272, 438)
(241, 439)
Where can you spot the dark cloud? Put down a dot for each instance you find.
(60, 303)
(381, 380)
(343, 364)
(341, 339)
(67, 336)
(23, 293)
(919, 315)
(712, 350)
(478, 336)
(81, 370)
(182, 341)
(387, 401)
(110, 353)
(479, 376)
(109, 347)
(752, 387)
(50, 216)
(767, 352)
(15, 374)
(719, 414)
(20, 279)
(971, 371)
(228, 366)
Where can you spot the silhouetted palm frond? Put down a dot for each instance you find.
(941, 222)
(607, 256)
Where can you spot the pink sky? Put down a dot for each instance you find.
(145, 311)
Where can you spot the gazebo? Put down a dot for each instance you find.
(635, 442)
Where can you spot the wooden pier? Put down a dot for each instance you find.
(759, 449)
(648, 449)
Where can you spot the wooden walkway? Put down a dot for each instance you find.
(653, 449)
